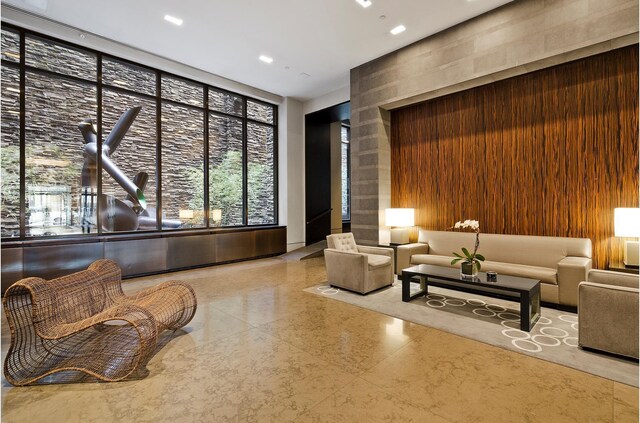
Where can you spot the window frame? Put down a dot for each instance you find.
(159, 100)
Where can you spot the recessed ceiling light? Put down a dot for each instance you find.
(266, 59)
(364, 3)
(398, 29)
(173, 20)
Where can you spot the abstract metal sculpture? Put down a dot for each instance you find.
(118, 215)
(84, 323)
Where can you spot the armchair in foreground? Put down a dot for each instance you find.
(355, 267)
(85, 323)
(608, 313)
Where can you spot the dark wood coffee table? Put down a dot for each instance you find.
(527, 291)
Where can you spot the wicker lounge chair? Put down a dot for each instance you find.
(84, 323)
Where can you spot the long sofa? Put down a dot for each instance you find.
(559, 263)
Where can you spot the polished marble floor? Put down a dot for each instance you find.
(261, 350)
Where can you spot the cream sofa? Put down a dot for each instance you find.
(608, 313)
(559, 263)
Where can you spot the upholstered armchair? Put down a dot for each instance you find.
(355, 267)
(608, 312)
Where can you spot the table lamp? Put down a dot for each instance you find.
(400, 220)
(626, 222)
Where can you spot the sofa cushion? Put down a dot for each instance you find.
(377, 261)
(544, 274)
(541, 251)
(342, 242)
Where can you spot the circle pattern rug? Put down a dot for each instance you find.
(493, 321)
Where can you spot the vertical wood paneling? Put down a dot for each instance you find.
(547, 153)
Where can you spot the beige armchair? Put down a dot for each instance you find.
(608, 312)
(355, 267)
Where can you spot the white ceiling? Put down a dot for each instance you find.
(322, 38)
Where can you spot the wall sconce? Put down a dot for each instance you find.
(626, 222)
(186, 214)
(400, 220)
(215, 215)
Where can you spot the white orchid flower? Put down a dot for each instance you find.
(457, 225)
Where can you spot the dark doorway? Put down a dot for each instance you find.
(318, 169)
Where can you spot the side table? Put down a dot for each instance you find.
(621, 267)
(395, 255)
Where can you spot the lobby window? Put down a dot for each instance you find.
(225, 171)
(126, 86)
(10, 137)
(60, 91)
(346, 172)
(188, 156)
(260, 174)
(182, 166)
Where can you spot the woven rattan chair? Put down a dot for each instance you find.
(84, 323)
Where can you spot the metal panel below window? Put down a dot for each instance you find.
(52, 261)
(190, 251)
(11, 266)
(138, 256)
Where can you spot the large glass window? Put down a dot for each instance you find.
(182, 91)
(260, 174)
(156, 146)
(261, 112)
(225, 171)
(63, 59)
(128, 76)
(182, 167)
(10, 46)
(134, 158)
(59, 200)
(224, 102)
(10, 151)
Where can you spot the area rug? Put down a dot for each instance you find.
(493, 321)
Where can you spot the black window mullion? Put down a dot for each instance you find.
(206, 155)
(23, 182)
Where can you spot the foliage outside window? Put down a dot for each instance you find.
(63, 192)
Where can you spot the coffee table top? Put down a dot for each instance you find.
(512, 283)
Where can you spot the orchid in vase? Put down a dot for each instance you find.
(470, 261)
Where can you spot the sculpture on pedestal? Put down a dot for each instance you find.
(118, 215)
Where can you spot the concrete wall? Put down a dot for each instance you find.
(517, 38)
(291, 166)
(330, 99)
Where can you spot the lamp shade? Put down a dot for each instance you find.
(215, 214)
(626, 222)
(399, 217)
(186, 214)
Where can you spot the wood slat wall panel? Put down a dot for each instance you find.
(547, 153)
